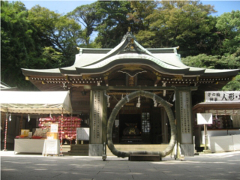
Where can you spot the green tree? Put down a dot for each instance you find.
(218, 62)
(61, 33)
(87, 16)
(114, 24)
(20, 46)
(180, 23)
(228, 26)
(141, 10)
(35, 39)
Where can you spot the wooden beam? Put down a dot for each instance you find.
(173, 88)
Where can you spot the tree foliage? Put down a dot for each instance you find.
(58, 32)
(35, 39)
(228, 26)
(20, 47)
(114, 23)
(218, 62)
(179, 23)
(86, 15)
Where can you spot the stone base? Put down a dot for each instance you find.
(144, 157)
(187, 149)
(207, 151)
(95, 149)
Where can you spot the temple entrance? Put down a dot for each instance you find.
(142, 128)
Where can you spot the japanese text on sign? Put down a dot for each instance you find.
(96, 127)
(222, 96)
(185, 112)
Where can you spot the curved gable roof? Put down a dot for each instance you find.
(129, 51)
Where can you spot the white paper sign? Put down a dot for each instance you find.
(116, 122)
(204, 118)
(83, 134)
(54, 127)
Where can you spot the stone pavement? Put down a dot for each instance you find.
(224, 166)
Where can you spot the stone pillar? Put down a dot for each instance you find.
(97, 122)
(184, 121)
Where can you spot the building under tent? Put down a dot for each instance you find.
(224, 132)
(30, 104)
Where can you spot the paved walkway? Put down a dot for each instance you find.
(225, 166)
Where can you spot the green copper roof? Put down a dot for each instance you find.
(129, 51)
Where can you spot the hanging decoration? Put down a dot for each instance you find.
(164, 85)
(122, 98)
(108, 102)
(10, 117)
(154, 101)
(138, 103)
(28, 117)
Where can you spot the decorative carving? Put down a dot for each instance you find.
(131, 81)
(158, 78)
(132, 70)
(86, 77)
(179, 77)
(131, 46)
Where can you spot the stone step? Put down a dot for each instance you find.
(79, 150)
(80, 146)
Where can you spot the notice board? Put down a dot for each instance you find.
(83, 134)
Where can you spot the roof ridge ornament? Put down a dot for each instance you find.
(128, 35)
(80, 50)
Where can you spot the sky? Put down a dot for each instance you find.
(64, 6)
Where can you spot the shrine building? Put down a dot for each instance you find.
(132, 95)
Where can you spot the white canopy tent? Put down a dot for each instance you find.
(35, 102)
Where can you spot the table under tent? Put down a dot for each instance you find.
(35, 103)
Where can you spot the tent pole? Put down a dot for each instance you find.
(61, 140)
(5, 138)
(20, 125)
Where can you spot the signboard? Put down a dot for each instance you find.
(185, 113)
(51, 146)
(54, 127)
(204, 118)
(185, 117)
(116, 122)
(222, 96)
(96, 115)
(83, 134)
